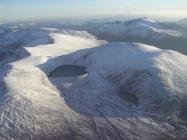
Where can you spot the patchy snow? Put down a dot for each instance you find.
(91, 106)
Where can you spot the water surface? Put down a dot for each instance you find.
(68, 71)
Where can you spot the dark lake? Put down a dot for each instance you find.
(68, 71)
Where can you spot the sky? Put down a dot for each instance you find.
(48, 9)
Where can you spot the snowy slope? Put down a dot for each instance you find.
(12, 42)
(66, 42)
(100, 104)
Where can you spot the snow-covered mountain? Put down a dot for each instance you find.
(130, 91)
(12, 42)
(141, 27)
(164, 35)
(183, 22)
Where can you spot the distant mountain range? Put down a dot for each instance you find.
(183, 22)
(165, 35)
